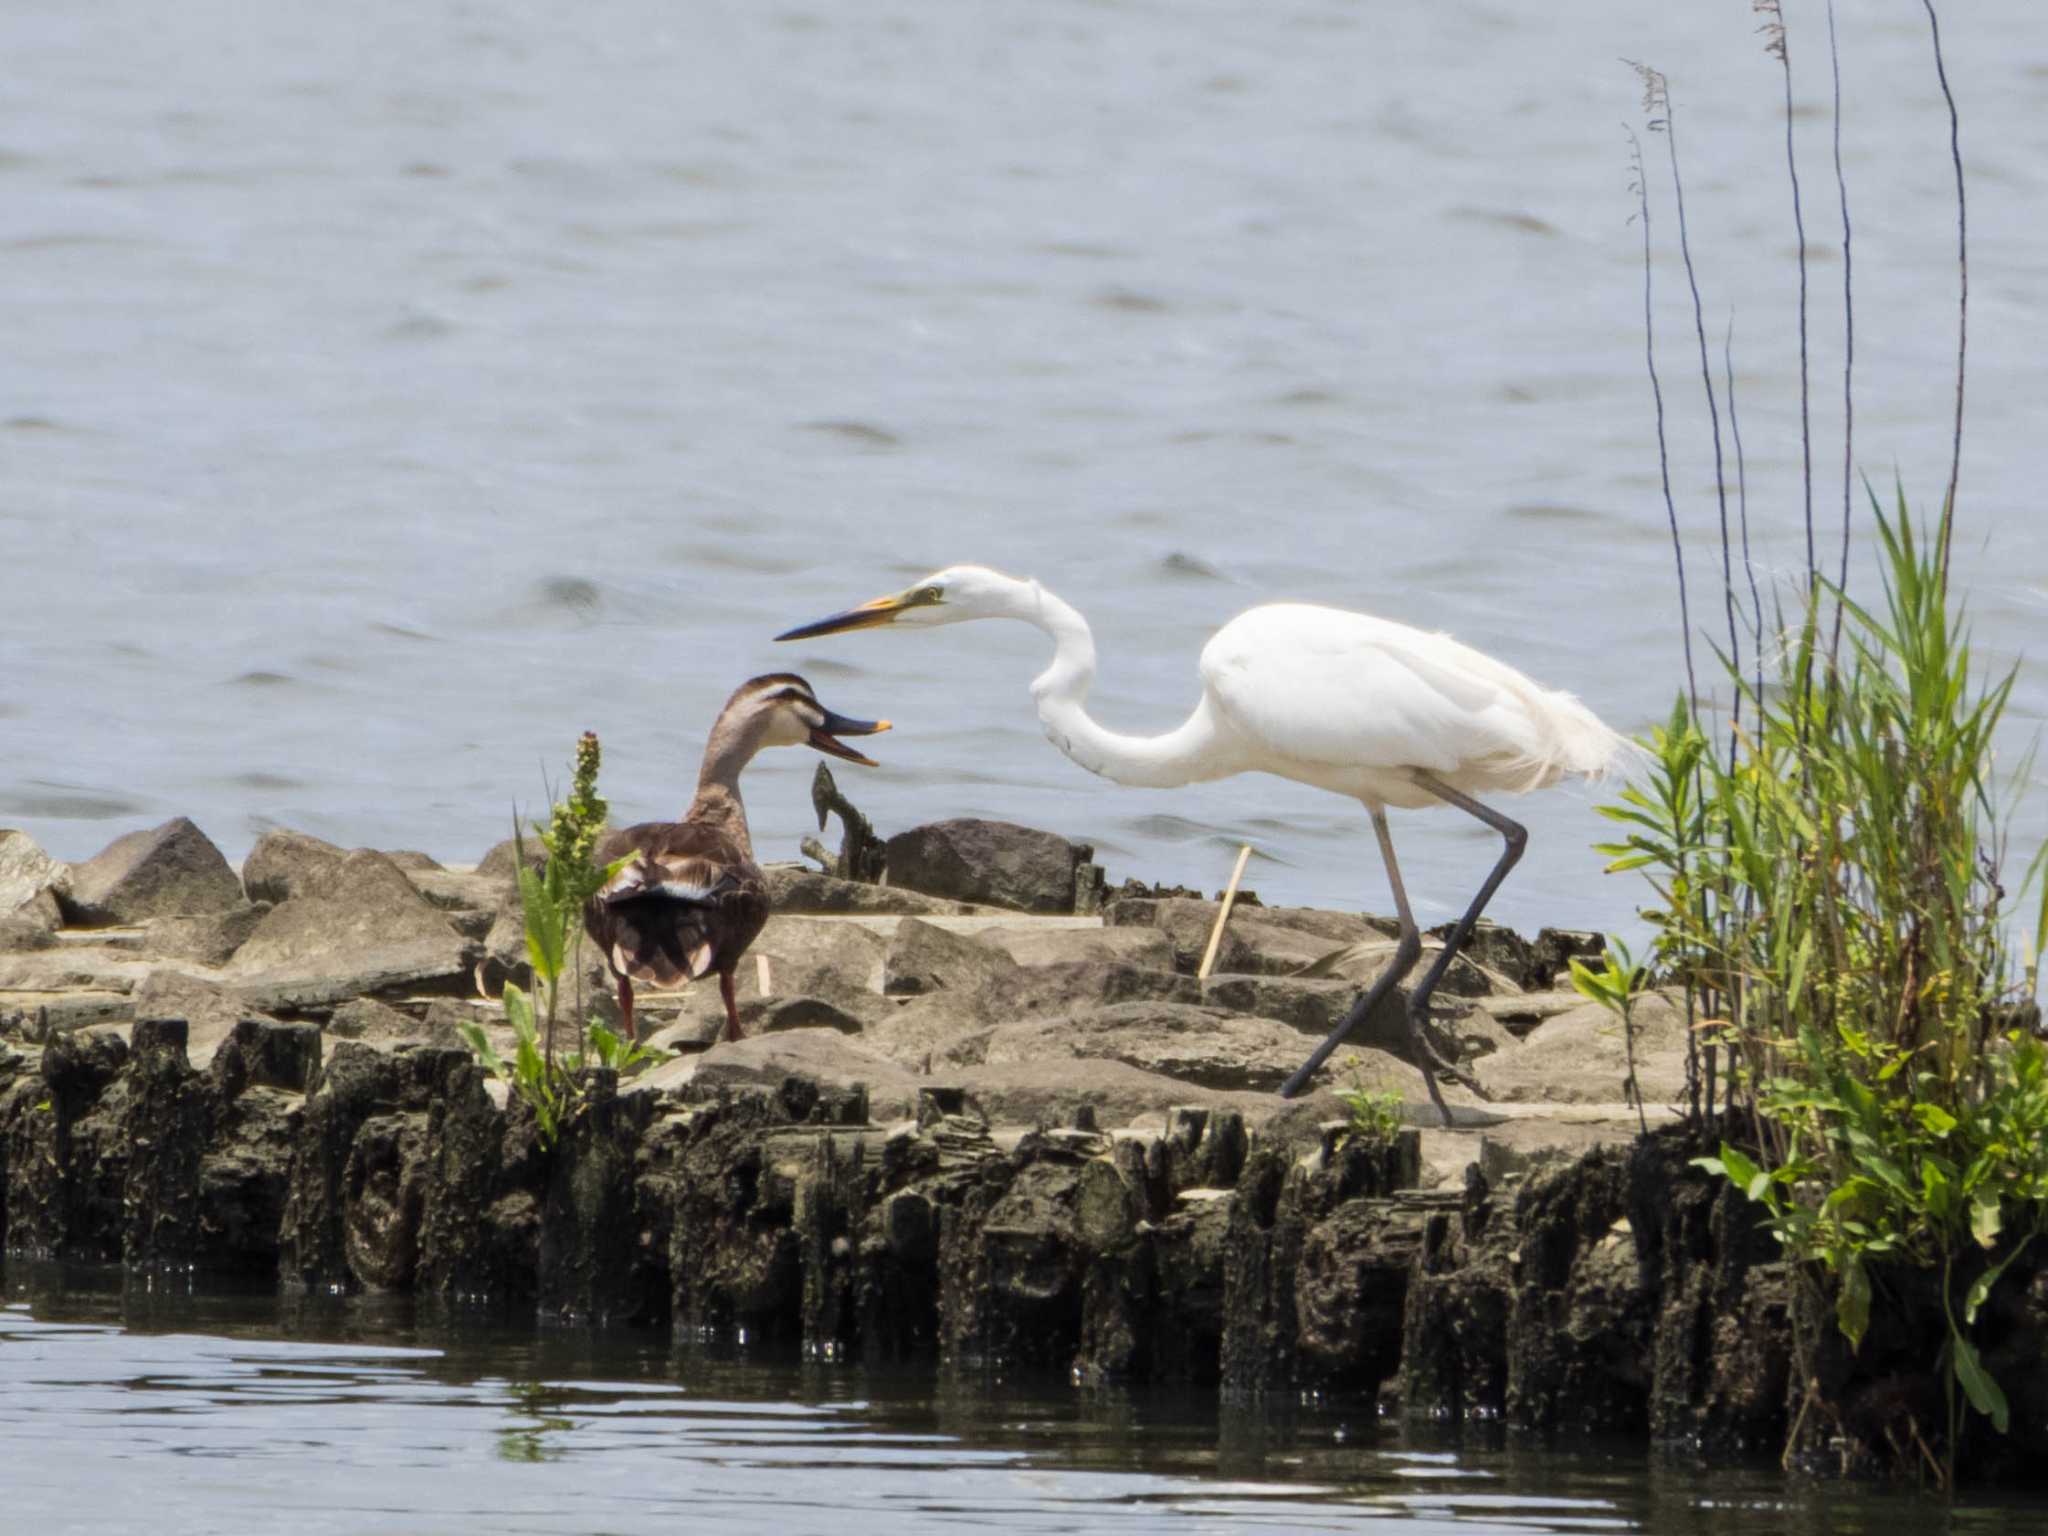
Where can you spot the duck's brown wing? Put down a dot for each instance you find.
(689, 903)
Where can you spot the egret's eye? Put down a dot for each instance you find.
(930, 595)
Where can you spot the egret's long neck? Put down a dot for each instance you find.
(1182, 756)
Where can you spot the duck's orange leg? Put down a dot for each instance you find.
(732, 1007)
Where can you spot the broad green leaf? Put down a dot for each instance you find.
(1984, 1393)
(1852, 1307)
(1938, 1121)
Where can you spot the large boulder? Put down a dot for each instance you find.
(1581, 1057)
(169, 871)
(994, 862)
(209, 939)
(349, 929)
(283, 862)
(27, 873)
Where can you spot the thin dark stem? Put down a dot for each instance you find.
(1775, 30)
(1756, 601)
(1955, 149)
(1699, 322)
(1642, 189)
(1848, 343)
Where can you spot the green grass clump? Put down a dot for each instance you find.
(1831, 899)
(551, 900)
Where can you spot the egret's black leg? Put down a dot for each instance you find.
(1406, 952)
(1517, 838)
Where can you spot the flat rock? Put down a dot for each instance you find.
(924, 959)
(1580, 1057)
(209, 939)
(810, 957)
(1202, 1046)
(823, 1055)
(1029, 944)
(800, 891)
(353, 928)
(1256, 940)
(27, 872)
(1121, 1095)
(283, 860)
(366, 1019)
(169, 871)
(1041, 991)
(73, 968)
(994, 862)
(25, 933)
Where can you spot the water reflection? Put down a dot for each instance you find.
(119, 1392)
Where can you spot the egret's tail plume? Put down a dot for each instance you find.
(1577, 744)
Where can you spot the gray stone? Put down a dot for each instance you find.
(1203, 1046)
(210, 1009)
(26, 872)
(1580, 1057)
(352, 928)
(24, 933)
(458, 891)
(169, 871)
(925, 959)
(915, 1031)
(995, 862)
(364, 1018)
(1034, 944)
(283, 860)
(1520, 1012)
(210, 939)
(823, 1056)
(1041, 991)
(502, 862)
(804, 892)
(1257, 940)
(1052, 1092)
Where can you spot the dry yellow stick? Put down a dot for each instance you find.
(761, 975)
(1223, 914)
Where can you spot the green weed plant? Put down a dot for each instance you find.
(552, 899)
(1830, 897)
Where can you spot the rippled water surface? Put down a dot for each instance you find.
(149, 1409)
(392, 390)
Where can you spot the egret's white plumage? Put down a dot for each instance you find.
(1385, 713)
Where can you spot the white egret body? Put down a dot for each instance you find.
(1384, 713)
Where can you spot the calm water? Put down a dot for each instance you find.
(392, 390)
(231, 1414)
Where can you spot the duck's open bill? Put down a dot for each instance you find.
(826, 737)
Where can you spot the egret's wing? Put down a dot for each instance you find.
(1321, 685)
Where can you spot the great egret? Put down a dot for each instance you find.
(1389, 715)
(693, 899)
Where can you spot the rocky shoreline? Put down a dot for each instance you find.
(961, 1132)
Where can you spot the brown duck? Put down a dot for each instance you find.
(693, 899)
